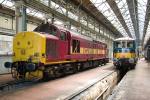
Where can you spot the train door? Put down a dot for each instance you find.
(63, 45)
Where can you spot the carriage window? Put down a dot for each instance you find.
(75, 46)
(63, 36)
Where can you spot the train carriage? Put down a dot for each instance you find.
(50, 50)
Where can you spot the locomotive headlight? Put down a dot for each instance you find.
(115, 59)
(131, 60)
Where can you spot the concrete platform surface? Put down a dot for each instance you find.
(135, 85)
(59, 88)
(5, 78)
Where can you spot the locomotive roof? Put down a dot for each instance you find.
(124, 39)
(76, 34)
(73, 33)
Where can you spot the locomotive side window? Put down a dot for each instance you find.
(63, 36)
(75, 46)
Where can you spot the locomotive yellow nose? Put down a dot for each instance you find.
(26, 45)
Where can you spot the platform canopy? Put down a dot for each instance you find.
(129, 17)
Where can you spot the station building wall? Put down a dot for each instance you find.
(7, 30)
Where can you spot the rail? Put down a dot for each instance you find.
(73, 96)
(15, 84)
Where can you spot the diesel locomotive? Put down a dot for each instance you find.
(50, 51)
(124, 53)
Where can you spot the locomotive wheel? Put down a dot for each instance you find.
(104, 63)
(75, 67)
(48, 74)
(100, 63)
(58, 72)
(95, 63)
(133, 66)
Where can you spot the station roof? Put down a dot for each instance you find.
(124, 38)
(128, 18)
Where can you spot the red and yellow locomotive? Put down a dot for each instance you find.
(50, 51)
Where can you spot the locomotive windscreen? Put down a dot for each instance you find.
(46, 28)
(124, 44)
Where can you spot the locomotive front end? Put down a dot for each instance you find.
(29, 55)
(124, 53)
(124, 57)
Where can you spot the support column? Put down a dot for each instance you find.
(68, 23)
(110, 48)
(87, 20)
(79, 18)
(47, 16)
(49, 3)
(53, 19)
(20, 16)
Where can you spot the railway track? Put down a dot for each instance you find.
(80, 86)
(81, 94)
(15, 84)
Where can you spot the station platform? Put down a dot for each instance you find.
(135, 85)
(4, 78)
(80, 85)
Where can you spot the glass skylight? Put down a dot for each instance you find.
(8, 4)
(141, 12)
(35, 13)
(105, 9)
(122, 5)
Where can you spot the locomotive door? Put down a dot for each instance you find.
(51, 49)
(63, 45)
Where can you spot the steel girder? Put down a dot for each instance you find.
(132, 5)
(117, 12)
(89, 7)
(47, 10)
(147, 18)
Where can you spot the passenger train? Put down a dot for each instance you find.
(50, 51)
(124, 53)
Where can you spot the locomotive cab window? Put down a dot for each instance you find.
(63, 36)
(117, 45)
(75, 46)
(123, 44)
(130, 44)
